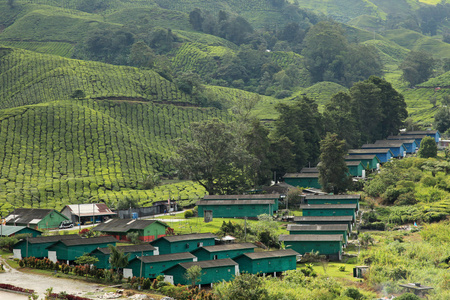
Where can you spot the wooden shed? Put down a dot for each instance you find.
(333, 199)
(69, 250)
(327, 244)
(276, 197)
(212, 271)
(313, 220)
(184, 242)
(223, 251)
(303, 180)
(329, 210)
(148, 230)
(88, 212)
(268, 262)
(37, 246)
(153, 266)
(383, 154)
(435, 134)
(235, 208)
(320, 229)
(7, 230)
(35, 218)
(369, 161)
(355, 168)
(103, 254)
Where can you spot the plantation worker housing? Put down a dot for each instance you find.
(147, 230)
(35, 218)
(88, 213)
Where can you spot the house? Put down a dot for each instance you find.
(275, 197)
(329, 210)
(310, 170)
(37, 246)
(212, 271)
(369, 161)
(223, 251)
(383, 154)
(70, 249)
(397, 148)
(355, 168)
(410, 145)
(148, 230)
(184, 242)
(417, 138)
(103, 254)
(303, 180)
(235, 208)
(152, 266)
(431, 133)
(36, 218)
(89, 212)
(333, 199)
(268, 262)
(7, 230)
(320, 229)
(313, 220)
(443, 144)
(326, 244)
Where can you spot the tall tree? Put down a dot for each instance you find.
(193, 275)
(417, 67)
(442, 119)
(333, 172)
(196, 19)
(428, 148)
(117, 258)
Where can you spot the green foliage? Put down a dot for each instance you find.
(417, 67)
(188, 214)
(86, 259)
(133, 237)
(242, 287)
(117, 258)
(428, 148)
(353, 293)
(193, 275)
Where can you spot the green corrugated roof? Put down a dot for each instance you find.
(7, 230)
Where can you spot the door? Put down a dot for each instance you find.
(52, 256)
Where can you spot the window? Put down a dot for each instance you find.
(270, 262)
(217, 271)
(200, 244)
(187, 245)
(215, 257)
(229, 270)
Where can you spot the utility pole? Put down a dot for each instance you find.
(79, 218)
(142, 257)
(245, 229)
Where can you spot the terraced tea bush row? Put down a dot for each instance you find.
(53, 48)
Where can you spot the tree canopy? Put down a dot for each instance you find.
(417, 67)
(428, 148)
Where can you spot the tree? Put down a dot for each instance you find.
(142, 55)
(428, 147)
(87, 260)
(78, 94)
(196, 19)
(193, 275)
(215, 158)
(333, 172)
(11, 3)
(442, 119)
(417, 67)
(117, 258)
(244, 287)
(365, 239)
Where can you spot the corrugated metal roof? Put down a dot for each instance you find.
(394, 142)
(7, 230)
(89, 241)
(234, 202)
(353, 163)
(128, 249)
(206, 264)
(310, 237)
(328, 206)
(383, 145)
(243, 197)
(362, 156)
(325, 227)
(124, 225)
(419, 132)
(89, 209)
(166, 257)
(368, 150)
(353, 196)
(270, 254)
(189, 237)
(52, 238)
(406, 137)
(324, 218)
(301, 175)
(27, 215)
(226, 247)
(310, 170)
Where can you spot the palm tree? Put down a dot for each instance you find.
(118, 259)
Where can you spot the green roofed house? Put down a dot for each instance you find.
(184, 242)
(320, 229)
(223, 251)
(69, 250)
(268, 262)
(148, 230)
(37, 246)
(303, 180)
(235, 208)
(329, 210)
(251, 197)
(103, 254)
(333, 199)
(369, 161)
(7, 230)
(152, 266)
(313, 220)
(212, 271)
(355, 168)
(327, 244)
(35, 218)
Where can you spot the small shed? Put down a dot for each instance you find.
(435, 134)
(410, 145)
(88, 212)
(303, 180)
(333, 199)
(268, 262)
(223, 251)
(7, 230)
(152, 266)
(417, 138)
(397, 148)
(369, 161)
(184, 242)
(235, 208)
(36, 218)
(148, 230)
(355, 168)
(383, 154)
(103, 254)
(37, 246)
(69, 250)
(360, 271)
(327, 244)
(329, 210)
(319, 220)
(275, 197)
(320, 229)
(212, 271)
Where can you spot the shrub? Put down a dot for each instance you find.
(188, 214)
(353, 293)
